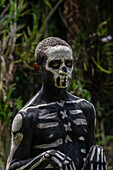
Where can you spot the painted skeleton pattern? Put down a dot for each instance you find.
(46, 123)
(58, 134)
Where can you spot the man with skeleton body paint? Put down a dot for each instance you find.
(55, 130)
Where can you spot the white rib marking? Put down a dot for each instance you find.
(48, 116)
(80, 121)
(75, 101)
(47, 125)
(74, 112)
(78, 101)
(56, 143)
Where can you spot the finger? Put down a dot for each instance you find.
(59, 156)
(56, 162)
(98, 155)
(102, 156)
(105, 165)
(91, 166)
(66, 168)
(70, 166)
(102, 159)
(92, 154)
(74, 168)
(64, 155)
(98, 167)
(61, 153)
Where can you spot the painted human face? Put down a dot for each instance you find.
(59, 63)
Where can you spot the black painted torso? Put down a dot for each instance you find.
(49, 126)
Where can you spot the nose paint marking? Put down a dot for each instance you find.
(64, 69)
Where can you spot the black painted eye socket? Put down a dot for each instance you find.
(68, 63)
(55, 64)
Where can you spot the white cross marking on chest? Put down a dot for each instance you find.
(68, 127)
(64, 115)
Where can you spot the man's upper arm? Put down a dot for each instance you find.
(20, 145)
(90, 137)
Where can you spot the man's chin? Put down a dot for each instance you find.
(62, 85)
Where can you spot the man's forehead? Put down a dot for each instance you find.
(59, 51)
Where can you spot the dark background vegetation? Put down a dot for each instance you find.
(88, 27)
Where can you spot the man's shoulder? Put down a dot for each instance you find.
(83, 103)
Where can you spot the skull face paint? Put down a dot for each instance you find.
(59, 63)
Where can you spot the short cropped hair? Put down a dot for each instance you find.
(44, 45)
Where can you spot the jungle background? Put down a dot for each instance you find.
(88, 27)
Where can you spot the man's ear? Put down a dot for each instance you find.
(38, 68)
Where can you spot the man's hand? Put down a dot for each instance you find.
(97, 159)
(59, 160)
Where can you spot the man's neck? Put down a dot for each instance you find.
(50, 93)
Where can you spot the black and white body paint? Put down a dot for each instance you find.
(55, 130)
(59, 63)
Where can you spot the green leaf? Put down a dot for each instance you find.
(11, 8)
(100, 67)
(48, 4)
(18, 103)
(12, 88)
